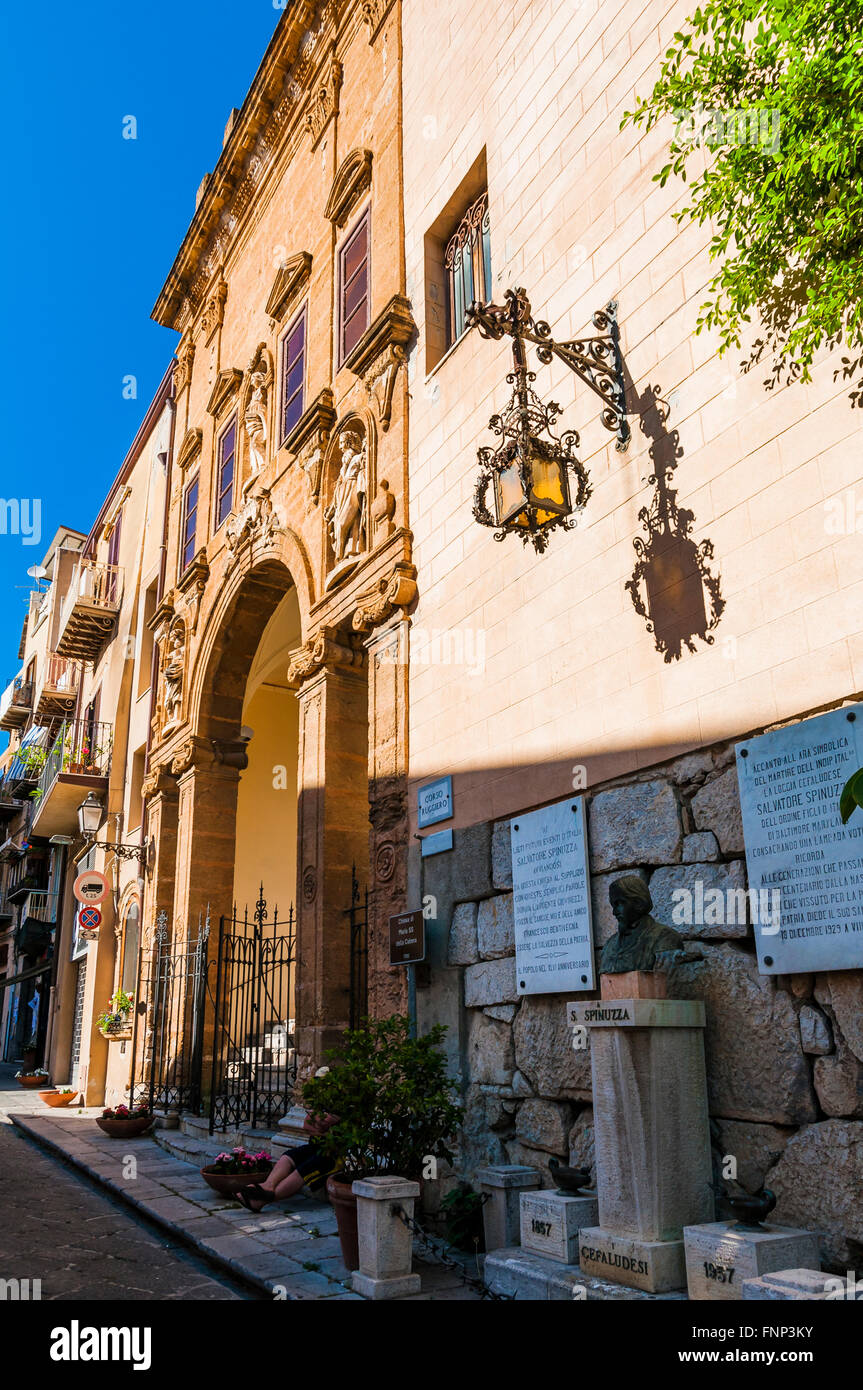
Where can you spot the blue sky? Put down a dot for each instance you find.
(91, 226)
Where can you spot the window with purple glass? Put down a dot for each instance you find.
(293, 374)
(190, 523)
(354, 287)
(227, 453)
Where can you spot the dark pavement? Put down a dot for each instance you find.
(81, 1244)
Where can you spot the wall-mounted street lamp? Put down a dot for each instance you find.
(90, 814)
(531, 471)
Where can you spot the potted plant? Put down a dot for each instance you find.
(32, 1077)
(63, 1095)
(114, 1022)
(123, 1122)
(231, 1171)
(395, 1108)
(461, 1210)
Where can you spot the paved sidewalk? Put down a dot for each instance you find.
(287, 1251)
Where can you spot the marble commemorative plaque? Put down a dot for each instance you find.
(551, 900)
(805, 867)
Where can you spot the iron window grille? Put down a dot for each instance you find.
(467, 261)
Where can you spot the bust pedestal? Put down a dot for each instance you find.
(651, 1133)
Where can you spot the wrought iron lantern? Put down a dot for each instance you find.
(536, 480)
(90, 814)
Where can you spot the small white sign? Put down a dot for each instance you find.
(551, 900)
(804, 865)
(434, 802)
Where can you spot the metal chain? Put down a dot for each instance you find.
(439, 1253)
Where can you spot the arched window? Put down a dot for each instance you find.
(129, 946)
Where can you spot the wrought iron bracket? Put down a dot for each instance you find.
(595, 360)
(140, 852)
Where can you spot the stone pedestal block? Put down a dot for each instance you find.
(386, 1243)
(655, 1266)
(720, 1255)
(651, 1135)
(501, 1216)
(635, 984)
(794, 1285)
(551, 1221)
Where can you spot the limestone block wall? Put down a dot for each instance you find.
(784, 1054)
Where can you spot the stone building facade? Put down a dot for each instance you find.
(533, 676)
(289, 564)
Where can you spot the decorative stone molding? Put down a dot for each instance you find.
(330, 648)
(290, 277)
(374, 13)
(183, 368)
(231, 752)
(380, 381)
(381, 351)
(193, 752)
(190, 448)
(214, 311)
(354, 176)
(324, 103)
(192, 585)
(256, 522)
(158, 779)
(228, 383)
(397, 590)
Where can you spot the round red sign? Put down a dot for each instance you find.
(91, 887)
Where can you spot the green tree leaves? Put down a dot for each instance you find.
(785, 201)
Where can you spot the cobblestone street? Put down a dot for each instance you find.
(81, 1244)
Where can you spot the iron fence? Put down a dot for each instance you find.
(167, 1049)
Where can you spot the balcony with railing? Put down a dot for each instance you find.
(89, 610)
(37, 922)
(16, 703)
(78, 761)
(57, 687)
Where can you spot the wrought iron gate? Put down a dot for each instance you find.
(358, 915)
(254, 1056)
(167, 1051)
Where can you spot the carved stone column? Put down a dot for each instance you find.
(160, 788)
(332, 830)
(388, 809)
(207, 812)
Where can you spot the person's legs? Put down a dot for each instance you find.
(282, 1181)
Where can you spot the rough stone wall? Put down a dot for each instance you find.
(784, 1054)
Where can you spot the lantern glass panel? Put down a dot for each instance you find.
(509, 494)
(549, 488)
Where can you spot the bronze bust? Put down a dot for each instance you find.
(639, 938)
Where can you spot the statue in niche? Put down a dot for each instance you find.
(346, 514)
(172, 675)
(255, 420)
(639, 938)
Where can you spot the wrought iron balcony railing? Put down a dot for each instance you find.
(89, 610)
(78, 760)
(16, 703)
(58, 687)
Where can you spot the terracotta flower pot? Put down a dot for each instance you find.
(125, 1128)
(57, 1098)
(344, 1203)
(30, 1083)
(229, 1183)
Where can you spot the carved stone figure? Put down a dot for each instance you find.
(311, 465)
(172, 675)
(255, 421)
(346, 514)
(639, 938)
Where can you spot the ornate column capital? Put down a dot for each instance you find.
(331, 649)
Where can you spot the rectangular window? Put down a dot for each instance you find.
(190, 524)
(227, 453)
(355, 287)
(293, 374)
(114, 541)
(468, 266)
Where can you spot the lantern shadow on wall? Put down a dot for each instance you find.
(672, 586)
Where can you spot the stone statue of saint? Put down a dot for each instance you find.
(346, 514)
(639, 938)
(173, 676)
(255, 421)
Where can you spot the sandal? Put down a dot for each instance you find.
(256, 1193)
